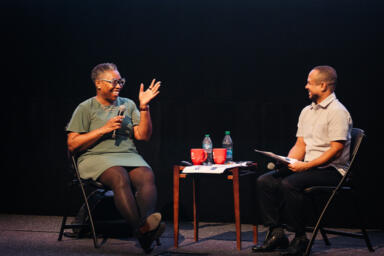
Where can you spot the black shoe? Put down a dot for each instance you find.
(153, 221)
(275, 240)
(147, 238)
(297, 247)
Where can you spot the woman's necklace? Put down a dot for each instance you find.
(109, 108)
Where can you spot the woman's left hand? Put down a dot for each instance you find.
(146, 96)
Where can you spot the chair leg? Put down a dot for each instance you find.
(317, 226)
(316, 212)
(267, 234)
(63, 222)
(312, 240)
(361, 220)
(367, 240)
(325, 237)
(95, 243)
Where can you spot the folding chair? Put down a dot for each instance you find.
(344, 185)
(90, 224)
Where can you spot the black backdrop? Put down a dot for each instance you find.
(224, 65)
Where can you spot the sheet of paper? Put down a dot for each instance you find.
(279, 158)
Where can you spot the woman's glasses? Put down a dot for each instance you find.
(114, 82)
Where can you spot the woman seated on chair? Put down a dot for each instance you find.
(101, 133)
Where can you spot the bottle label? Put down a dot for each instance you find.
(229, 153)
(207, 147)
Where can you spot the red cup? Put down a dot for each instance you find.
(219, 155)
(198, 156)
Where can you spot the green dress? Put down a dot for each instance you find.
(107, 152)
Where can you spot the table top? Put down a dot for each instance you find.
(215, 168)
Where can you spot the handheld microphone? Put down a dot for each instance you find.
(186, 163)
(279, 167)
(271, 166)
(119, 113)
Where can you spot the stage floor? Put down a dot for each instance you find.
(37, 235)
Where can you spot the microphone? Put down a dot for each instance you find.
(278, 167)
(271, 166)
(186, 163)
(119, 113)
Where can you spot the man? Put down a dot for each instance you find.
(322, 150)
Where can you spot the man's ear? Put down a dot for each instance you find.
(323, 86)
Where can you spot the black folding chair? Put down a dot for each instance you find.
(90, 224)
(344, 185)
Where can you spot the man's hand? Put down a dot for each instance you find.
(299, 166)
(146, 96)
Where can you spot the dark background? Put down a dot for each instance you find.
(224, 65)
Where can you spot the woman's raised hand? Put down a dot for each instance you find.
(146, 96)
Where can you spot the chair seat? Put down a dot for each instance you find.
(91, 182)
(321, 189)
(94, 183)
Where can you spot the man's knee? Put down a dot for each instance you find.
(287, 185)
(266, 181)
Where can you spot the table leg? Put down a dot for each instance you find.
(236, 199)
(176, 186)
(255, 234)
(195, 206)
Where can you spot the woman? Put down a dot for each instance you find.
(101, 132)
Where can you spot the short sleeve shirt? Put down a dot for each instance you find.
(320, 124)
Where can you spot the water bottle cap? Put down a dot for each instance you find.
(206, 135)
(227, 132)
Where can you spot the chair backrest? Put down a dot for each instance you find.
(76, 174)
(357, 136)
(72, 159)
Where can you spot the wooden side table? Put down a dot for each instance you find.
(232, 175)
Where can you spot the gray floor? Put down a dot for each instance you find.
(37, 235)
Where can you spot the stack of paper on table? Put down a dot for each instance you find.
(213, 169)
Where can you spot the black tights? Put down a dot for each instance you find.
(133, 207)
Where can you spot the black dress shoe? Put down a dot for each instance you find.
(297, 247)
(277, 240)
(147, 239)
(155, 229)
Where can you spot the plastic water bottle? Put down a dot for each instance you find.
(228, 144)
(207, 145)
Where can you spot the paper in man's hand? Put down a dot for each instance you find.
(282, 159)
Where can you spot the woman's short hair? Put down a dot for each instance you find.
(101, 68)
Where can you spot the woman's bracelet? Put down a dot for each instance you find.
(146, 108)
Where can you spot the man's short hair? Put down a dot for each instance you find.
(327, 74)
(101, 68)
